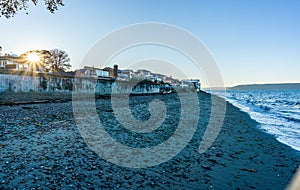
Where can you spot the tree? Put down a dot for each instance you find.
(59, 60)
(35, 59)
(9, 8)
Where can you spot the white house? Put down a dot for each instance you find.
(3, 62)
(101, 73)
(125, 75)
(192, 83)
(10, 62)
(158, 77)
(91, 72)
(142, 74)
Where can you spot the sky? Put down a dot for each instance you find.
(250, 41)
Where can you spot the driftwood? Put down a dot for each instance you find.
(33, 102)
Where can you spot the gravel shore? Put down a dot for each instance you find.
(41, 148)
(13, 98)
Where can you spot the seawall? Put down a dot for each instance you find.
(103, 86)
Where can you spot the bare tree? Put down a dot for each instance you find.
(59, 60)
(9, 8)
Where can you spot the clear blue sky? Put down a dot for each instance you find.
(252, 41)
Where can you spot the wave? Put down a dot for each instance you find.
(292, 119)
(265, 108)
(276, 111)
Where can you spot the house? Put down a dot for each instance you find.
(191, 84)
(158, 77)
(96, 72)
(172, 81)
(142, 74)
(113, 72)
(14, 62)
(102, 73)
(3, 62)
(82, 73)
(93, 72)
(10, 62)
(69, 74)
(125, 75)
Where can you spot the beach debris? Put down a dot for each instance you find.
(281, 165)
(252, 157)
(24, 102)
(2, 145)
(207, 167)
(212, 161)
(248, 170)
(29, 107)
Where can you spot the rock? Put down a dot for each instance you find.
(2, 145)
(207, 167)
(28, 108)
(248, 170)
(212, 161)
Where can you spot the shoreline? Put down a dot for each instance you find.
(263, 124)
(259, 128)
(41, 147)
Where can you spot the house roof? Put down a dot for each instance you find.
(142, 70)
(191, 80)
(65, 74)
(92, 68)
(126, 70)
(11, 58)
(81, 70)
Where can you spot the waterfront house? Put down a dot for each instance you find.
(10, 62)
(142, 74)
(158, 77)
(91, 72)
(191, 84)
(125, 75)
(113, 72)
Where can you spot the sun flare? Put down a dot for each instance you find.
(33, 57)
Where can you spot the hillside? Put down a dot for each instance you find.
(282, 86)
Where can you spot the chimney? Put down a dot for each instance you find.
(115, 71)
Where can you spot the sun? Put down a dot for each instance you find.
(33, 57)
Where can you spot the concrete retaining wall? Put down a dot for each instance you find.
(105, 86)
(19, 83)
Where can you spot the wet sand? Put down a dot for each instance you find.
(41, 148)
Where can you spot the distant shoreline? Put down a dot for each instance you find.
(280, 86)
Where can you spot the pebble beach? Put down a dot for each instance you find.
(41, 148)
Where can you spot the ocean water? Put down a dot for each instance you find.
(277, 111)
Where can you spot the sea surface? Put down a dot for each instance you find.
(277, 111)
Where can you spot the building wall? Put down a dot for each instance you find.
(101, 73)
(3, 63)
(20, 83)
(51, 83)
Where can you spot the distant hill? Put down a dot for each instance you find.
(283, 86)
